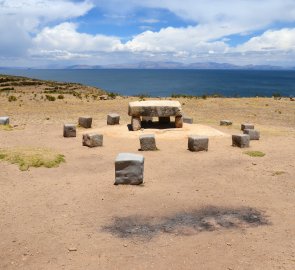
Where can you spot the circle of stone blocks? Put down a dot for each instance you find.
(85, 121)
(147, 142)
(129, 169)
(254, 134)
(226, 122)
(113, 119)
(247, 126)
(187, 120)
(241, 140)
(92, 139)
(198, 143)
(69, 130)
(4, 120)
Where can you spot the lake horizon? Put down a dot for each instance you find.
(166, 82)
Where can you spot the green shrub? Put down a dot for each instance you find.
(7, 89)
(60, 97)
(50, 98)
(12, 98)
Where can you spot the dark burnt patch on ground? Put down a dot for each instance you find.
(209, 218)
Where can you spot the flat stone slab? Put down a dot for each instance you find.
(147, 142)
(129, 169)
(92, 139)
(69, 130)
(247, 126)
(155, 108)
(4, 120)
(226, 122)
(113, 119)
(241, 140)
(198, 143)
(254, 134)
(85, 121)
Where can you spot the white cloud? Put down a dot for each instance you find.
(271, 40)
(22, 18)
(65, 37)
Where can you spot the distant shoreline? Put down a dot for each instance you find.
(167, 83)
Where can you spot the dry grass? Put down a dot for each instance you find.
(31, 157)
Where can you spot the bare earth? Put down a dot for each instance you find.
(219, 209)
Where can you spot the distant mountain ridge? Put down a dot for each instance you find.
(163, 65)
(178, 65)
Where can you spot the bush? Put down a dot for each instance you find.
(7, 89)
(60, 97)
(12, 98)
(276, 94)
(50, 98)
(112, 95)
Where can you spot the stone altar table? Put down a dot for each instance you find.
(163, 109)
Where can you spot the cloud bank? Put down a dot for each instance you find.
(240, 32)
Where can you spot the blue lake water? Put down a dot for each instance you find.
(231, 83)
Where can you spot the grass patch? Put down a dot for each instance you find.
(6, 127)
(31, 157)
(278, 173)
(254, 153)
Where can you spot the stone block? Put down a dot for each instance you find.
(155, 108)
(92, 139)
(4, 120)
(147, 142)
(113, 119)
(178, 121)
(69, 130)
(247, 126)
(226, 122)
(85, 121)
(129, 169)
(188, 120)
(198, 143)
(241, 140)
(254, 134)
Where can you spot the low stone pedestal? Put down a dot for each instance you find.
(69, 130)
(135, 123)
(92, 140)
(226, 122)
(4, 120)
(85, 121)
(198, 143)
(241, 140)
(254, 134)
(147, 142)
(113, 119)
(178, 121)
(247, 126)
(187, 120)
(129, 169)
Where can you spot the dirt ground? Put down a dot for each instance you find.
(220, 209)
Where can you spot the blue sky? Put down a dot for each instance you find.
(41, 33)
